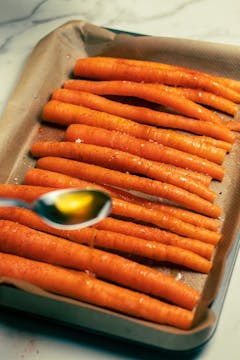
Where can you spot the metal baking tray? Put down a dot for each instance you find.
(50, 63)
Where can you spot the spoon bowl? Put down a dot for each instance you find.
(68, 208)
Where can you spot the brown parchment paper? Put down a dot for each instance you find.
(51, 62)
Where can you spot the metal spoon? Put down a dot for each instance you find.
(68, 208)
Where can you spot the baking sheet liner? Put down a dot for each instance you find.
(50, 63)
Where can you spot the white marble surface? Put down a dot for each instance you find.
(22, 24)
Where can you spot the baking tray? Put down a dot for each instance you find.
(50, 63)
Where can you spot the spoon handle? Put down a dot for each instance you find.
(14, 202)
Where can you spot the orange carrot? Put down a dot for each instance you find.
(122, 161)
(231, 83)
(233, 125)
(116, 178)
(111, 68)
(126, 244)
(25, 192)
(24, 241)
(141, 114)
(143, 148)
(164, 221)
(114, 226)
(132, 245)
(40, 177)
(150, 93)
(126, 209)
(65, 114)
(80, 286)
(182, 214)
(155, 234)
(205, 98)
(108, 138)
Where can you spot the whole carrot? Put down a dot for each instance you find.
(154, 234)
(122, 161)
(114, 226)
(88, 97)
(41, 177)
(25, 192)
(128, 210)
(153, 250)
(65, 114)
(139, 113)
(229, 82)
(132, 245)
(116, 178)
(163, 219)
(80, 286)
(23, 241)
(110, 68)
(205, 98)
(145, 149)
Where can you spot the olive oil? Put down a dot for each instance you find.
(74, 207)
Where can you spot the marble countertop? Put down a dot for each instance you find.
(22, 24)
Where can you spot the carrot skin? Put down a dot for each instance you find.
(23, 241)
(66, 114)
(205, 98)
(41, 177)
(110, 138)
(165, 221)
(80, 286)
(121, 161)
(102, 175)
(28, 218)
(126, 244)
(132, 211)
(231, 83)
(110, 68)
(140, 114)
(25, 192)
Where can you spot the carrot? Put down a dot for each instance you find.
(155, 95)
(148, 249)
(115, 228)
(141, 114)
(24, 241)
(233, 125)
(25, 192)
(116, 178)
(164, 221)
(231, 83)
(146, 149)
(108, 138)
(40, 177)
(159, 218)
(126, 209)
(122, 161)
(80, 286)
(182, 214)
(126, 244)
(110, 68)
(65, 114)
(205, 98)
(154, 234)
(88, 97)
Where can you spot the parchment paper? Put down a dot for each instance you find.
(51, 62)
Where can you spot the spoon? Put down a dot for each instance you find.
(68, 208)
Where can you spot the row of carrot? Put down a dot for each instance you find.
(119, 147)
